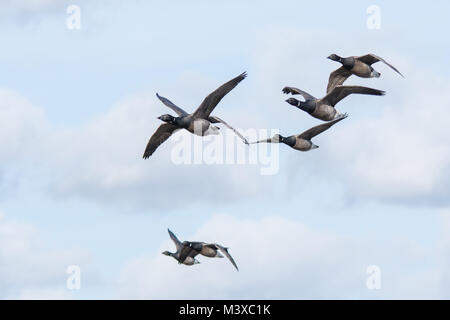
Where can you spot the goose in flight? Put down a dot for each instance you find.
(200, 122)
(324, 109)
(189, 250)
(302, 142)
(189, 260)
(360, 66)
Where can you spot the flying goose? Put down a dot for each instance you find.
(323, 109)
(302, 142)
(189, 260)
(199, 123)
(359, 66)
(190, 249)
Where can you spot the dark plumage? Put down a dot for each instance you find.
(323, 108)
(188, 250)
(302, 142)
(199, 122)
(360, 66)
(187, 260)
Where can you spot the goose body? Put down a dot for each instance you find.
(210, 250)
(199, 123)
(202, 127)
(324, 108)
(188, 250)
(189, 260)
(360, 66)
(325, 112)
(302, 142)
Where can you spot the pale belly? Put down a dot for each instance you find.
(202, 127)
(208, 252)
(324, 112)
(189, 261)
(361, 70)
(302, 145)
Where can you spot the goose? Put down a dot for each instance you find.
(360, 66)
(189, 260)
(302, 142)
(190, 249)
(323, 109)
(199, 123)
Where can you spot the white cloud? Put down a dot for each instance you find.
(272, 246)
(21, 126)
(102, 159)
(402, 155)
(28, 271)
(398, 153)
(283, 259)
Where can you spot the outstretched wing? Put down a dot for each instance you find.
(180, 112)
(293, 90)
(340, 92)
(175, 239)
(371, 58)
(314, 131)
(225, 252)
(214, 119)
(337, 77)
(211, 101)
(162, 134)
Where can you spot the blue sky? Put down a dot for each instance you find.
(78, 106)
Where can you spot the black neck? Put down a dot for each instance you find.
(306, 106)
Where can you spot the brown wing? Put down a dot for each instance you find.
(314, 131)
(225, 252)
(180, 112)
(187, 251)
(211, 101)
(371, 58)
(293, 90)
(214, 119)
(337, 77)
(162, 134)
(175, 239)
(340, 92)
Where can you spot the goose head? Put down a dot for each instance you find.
(167, 118)
(334, 57)
(293, 101)
(167, 253)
